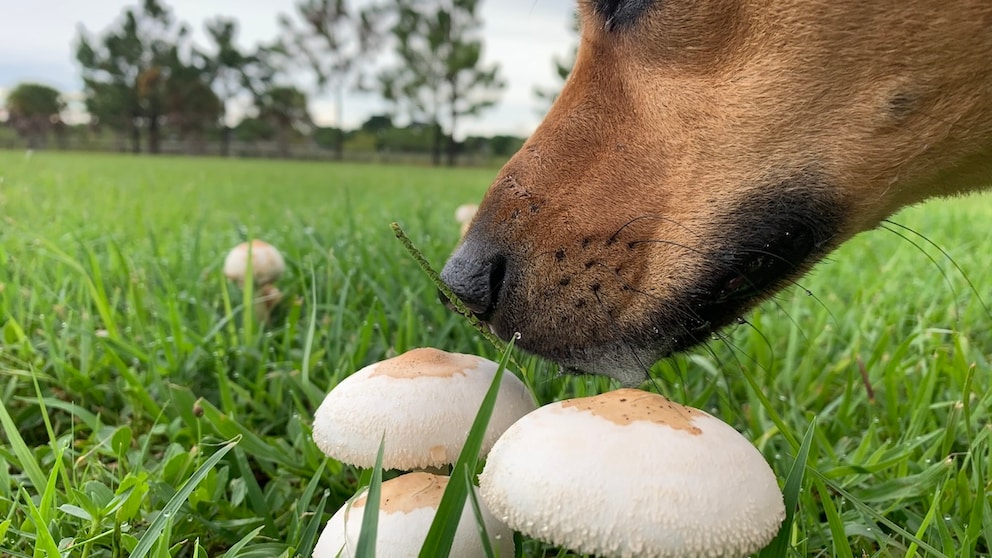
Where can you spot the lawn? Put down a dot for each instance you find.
(128, 365)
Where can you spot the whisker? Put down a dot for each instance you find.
(727, 395)
(681, 313)
(764, 338)
(943, 273)
(633, 353)
(788, 280)
(943, 252)
(794, 282)
(773, 300)
(682, 371)
(614, 236)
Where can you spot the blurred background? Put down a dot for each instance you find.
(443, 82)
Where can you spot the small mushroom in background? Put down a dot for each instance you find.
(424, 401)
(464, 215)
(407, 507)
(630, 473)
(267, 265)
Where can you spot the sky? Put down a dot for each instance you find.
(523, 36)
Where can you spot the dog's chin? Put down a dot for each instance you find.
(624, 362)
(627, 353)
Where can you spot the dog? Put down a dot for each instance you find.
(703, 154)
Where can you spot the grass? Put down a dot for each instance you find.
(145, 411)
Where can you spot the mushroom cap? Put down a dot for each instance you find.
(464, 213)
(406, 509)
(630, 473)
(424, 401)
(266, 262)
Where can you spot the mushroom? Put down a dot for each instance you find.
(407, 506)
(630, 473)
(267, 266)
(424, 402)
(464, 215)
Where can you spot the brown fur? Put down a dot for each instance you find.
(674, 130)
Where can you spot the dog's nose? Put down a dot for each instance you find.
(475, 278)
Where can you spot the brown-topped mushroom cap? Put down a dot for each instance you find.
(630, 473)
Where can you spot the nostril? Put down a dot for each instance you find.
(475, 281)
(497, 272)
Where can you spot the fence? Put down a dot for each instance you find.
(302, 150)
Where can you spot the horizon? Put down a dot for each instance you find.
(523, 36)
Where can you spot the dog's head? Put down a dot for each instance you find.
(704, 153)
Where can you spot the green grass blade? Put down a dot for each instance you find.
(45, 545)
(370, 517)
(770, 408)
(248, 302)
(256, 498)
(835, 522)
(308, 534)
(925, 524)
(311, 532)
(793, 488)
(449, 512)
(976, 518)
(823, 481)
(24, 456)
(236, 548)
(46, 505)
(311, 330)
(227, 427)
(151, 535)
(480, 522)
(43, 514)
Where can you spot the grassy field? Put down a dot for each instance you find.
(127, 364)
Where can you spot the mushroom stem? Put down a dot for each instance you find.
(442, 470)
(268, 297)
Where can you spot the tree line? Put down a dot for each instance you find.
(145, 79)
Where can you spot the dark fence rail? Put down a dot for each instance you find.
(303, 150)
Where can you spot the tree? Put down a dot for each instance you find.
(440, 78)
(33, 111)
(125, 72)
(285, 108)
(226, 69)
(262, 68)
(110, 105)
(189, 104)
(563, 67)
(252, 129)
(282, 109)
(377, 123)
(334, 41)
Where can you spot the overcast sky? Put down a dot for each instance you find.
(36, 38)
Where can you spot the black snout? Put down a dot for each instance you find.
(475, 279)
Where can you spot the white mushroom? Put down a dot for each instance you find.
(464, 215)
(407, 506)
(267, 264)
(630, 473)
(424, 401)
